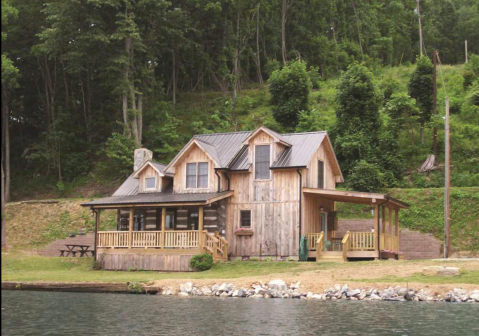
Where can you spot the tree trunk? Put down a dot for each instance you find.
(258, 58)
(359, 31)
(284, 8)
(422, 133)
(140, 118)
(173, 75)
(5, 146)
(126, 77)
(4, 220)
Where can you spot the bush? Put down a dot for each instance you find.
(366, 177)
(202, 262)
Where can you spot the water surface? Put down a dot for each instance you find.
(53, 313)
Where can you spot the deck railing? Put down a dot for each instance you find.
(313, 240)
(148, 239)
(346, 244)
(319, 245)
(113, 239)
(215, 245)
(362, 241)
(389, 242)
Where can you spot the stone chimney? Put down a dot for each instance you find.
(141, 156)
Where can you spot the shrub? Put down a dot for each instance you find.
(366, 177)
(201, 262)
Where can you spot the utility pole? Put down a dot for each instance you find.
(465, 45)
(434, 102)
(447, 209)
(420, 27)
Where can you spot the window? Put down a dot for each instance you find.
(191, 175)
(320, 174)
(245, 218)
(197, 175)
(203, 175)
(150, 183)
(262, 162)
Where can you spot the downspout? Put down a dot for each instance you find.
(229, 181)
(300, 200)
(219, 180)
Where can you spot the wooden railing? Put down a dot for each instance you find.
(346, 243)
(113, 239)
(319, 245)
(313, 240)
(146, 239)
(182, 239)
(223, 245)
(389, 242)
(215, 245)
(362, 241)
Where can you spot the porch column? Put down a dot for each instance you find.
(97, 228)
(383, 219)
(390, 220)
(163, 227)
(397, 228)
(200, 227)
(130, 231)
(376, 226)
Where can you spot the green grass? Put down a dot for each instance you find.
(467, 277)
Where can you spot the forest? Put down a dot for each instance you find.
(85, 82)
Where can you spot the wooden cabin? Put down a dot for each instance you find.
(240, 194)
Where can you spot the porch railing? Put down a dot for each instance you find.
(346, 244)
(148, 239)
(389, 242)
(319, 245)
(313, 240)
(215, 245)
(113, 239)
(182, 239)
(362, 241)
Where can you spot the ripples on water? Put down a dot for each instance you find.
(52, 313)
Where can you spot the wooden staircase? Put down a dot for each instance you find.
(330, 256)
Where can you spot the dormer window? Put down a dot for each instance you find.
(150, 183)
(197, 175)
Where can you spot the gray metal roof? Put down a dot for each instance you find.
(241, 161)
(155, 198)
(303, 147)
(226, 145)
(131, 184)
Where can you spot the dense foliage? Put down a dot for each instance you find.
(79, 78)
(201, 262)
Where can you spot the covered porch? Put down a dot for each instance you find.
(325, 243)
(174, 227)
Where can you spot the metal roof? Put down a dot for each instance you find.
(131, 184)
(241, 161)
(303, 147)
(226, 145)
(155, 198)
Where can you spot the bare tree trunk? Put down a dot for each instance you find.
(258, 58)
(140, 118)
(358, 28)
(5, 146)
(173, 75)
(284, 7)
(85, 110)
(126, 77)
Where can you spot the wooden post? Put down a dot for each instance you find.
(200, 227)
(376, 227)
(383, 220)
(390, 231)
(447, 211)
(163, 227)
(97, 228)
(397, 228)
(130, 230)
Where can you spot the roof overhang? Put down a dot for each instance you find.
(138, 201)
(274, 135)
(143, 166)
(355, 197)
(185, 149)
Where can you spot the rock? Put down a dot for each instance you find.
(256, 296)
(344, 289)
(186, 288)
(224, 294)
(402, 292)
(362, 296)
(375, 297)
(353, 293)
(337, 287)
(225, 287)
(475, 295)
(409, 296)
(183, 294)
(295, 285)
(238, 293)
(260, 291)
(278, 284)
(309, 295)
(206, 291)
(441, 271)
(317, 296)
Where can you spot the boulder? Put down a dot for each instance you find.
(441, 271)
(186, 287)
(183, 294)
(475, 295)
(225, 287)
(278, 284)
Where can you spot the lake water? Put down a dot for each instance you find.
(84, 314)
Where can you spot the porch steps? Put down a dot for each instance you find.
(331, 256)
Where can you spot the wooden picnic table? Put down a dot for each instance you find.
(83, 250)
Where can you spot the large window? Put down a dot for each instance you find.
(262, 162)
(320, 174)
(197, 175)
(245, 218)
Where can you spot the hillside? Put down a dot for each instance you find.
(31, 226)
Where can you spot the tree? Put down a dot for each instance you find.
(289, 88)
(421, 88)
(9, 81)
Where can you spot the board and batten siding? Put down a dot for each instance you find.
(194, 155)
(149, 171)
(311, 176)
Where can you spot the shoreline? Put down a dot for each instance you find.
(277, 289)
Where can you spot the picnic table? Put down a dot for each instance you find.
(83, 250)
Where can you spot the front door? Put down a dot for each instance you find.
(324, 228)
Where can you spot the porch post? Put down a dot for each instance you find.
(376, 227)
(383, 220)
(200, 227)
(130, 230)
(97, 228)
(397, 228)
(163, 227)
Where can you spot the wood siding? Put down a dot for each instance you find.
(311, 176)
(149, 171)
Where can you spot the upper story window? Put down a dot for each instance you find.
(197, 175)
(320, 174)
(150, 183)
(262, 162)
